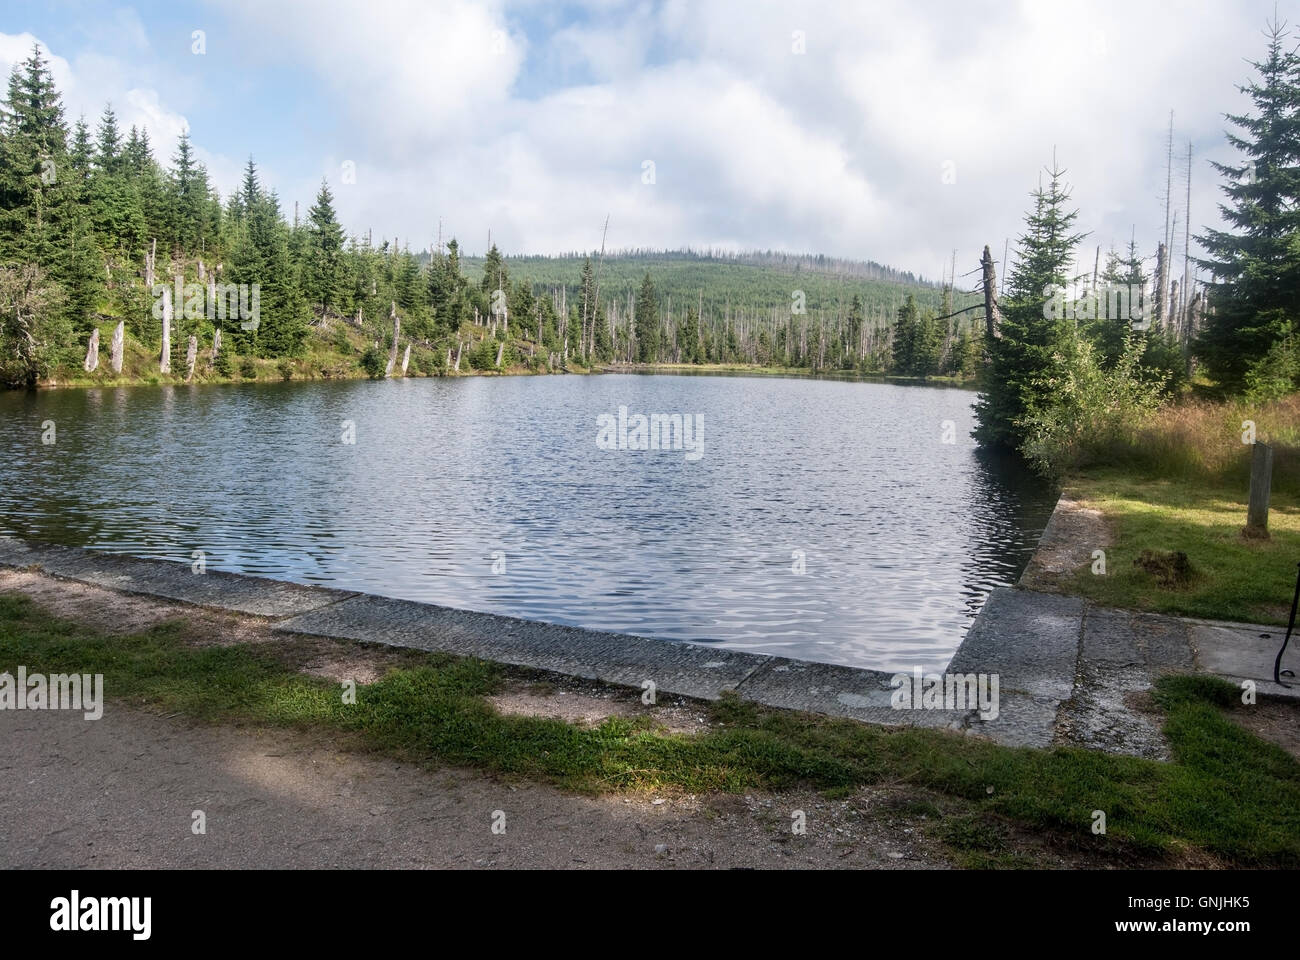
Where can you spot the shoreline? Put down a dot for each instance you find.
(274, 375)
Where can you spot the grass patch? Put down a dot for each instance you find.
(1227, 793)
(1230, 577)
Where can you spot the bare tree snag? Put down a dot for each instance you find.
(115, 347)
(989, 279)
(92, 352)
(165, 363)
(392, 351)
(191, 355)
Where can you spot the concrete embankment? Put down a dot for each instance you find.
(1064, 668)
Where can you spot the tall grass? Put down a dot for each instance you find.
(1202, 440)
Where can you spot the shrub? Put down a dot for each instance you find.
(373, 363)
(1088, 410)
(248, 369)
(286, 369)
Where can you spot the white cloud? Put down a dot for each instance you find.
(499, 115)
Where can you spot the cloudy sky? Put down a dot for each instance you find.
(891, 131)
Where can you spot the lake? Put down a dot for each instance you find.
(817, 519)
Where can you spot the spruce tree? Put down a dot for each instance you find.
(647, 322)
(324, 251)
(1255, 292)
(1022, 353)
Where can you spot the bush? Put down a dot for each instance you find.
(1276, 374)
(248, 369)
(484, 356)
(373, 363)
(1088, 410)
(223, 364)
(286, 369)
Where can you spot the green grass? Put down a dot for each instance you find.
(1228, 793)
(1234, 578)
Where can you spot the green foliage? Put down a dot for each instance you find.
(248, 369)
(1021, 356)
(32, 326)
(374, 362)
(1085, 407)
(1276, 374)
(1256, 264)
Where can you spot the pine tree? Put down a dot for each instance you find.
(324, 250)
(647, 323)
(905, 330)
(1255, 292)
(34, 197)
(108, 143)
(1022, 354)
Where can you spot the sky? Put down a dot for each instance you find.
(898, 132)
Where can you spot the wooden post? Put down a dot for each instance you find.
(1261, 482)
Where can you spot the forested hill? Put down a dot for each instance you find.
(719, 283)
(104, 241)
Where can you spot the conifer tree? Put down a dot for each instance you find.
(324, 250)
(1255, 292)
(647, 322)
(1019, 358)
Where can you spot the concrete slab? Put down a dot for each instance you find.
(256, 596)
(1031, 640)
(1022, 721)
(1243, 652)
(839, 692)
(1165, 641)
(692, 670)
(1108, 637)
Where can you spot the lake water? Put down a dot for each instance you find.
(824, 520)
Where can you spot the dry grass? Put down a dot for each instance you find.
(1200, 440)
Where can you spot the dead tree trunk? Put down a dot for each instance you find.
(392, 351)
(1162, 280)
(165, 363)
(92, 352)
(191, 355)
(115, 347)
(989, 278)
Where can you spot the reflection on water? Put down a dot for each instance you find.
(901, 535)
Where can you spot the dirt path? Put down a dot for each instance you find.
(122, 791)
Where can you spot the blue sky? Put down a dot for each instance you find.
(890, 130)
